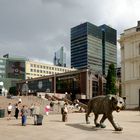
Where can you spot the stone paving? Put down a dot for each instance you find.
(74, 129)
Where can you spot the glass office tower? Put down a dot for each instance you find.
(12, 69)
(60, 58)
(93, 47)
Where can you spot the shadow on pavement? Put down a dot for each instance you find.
(117, 132)
(19, 124)
(83, 127)
(134, 121)
(91, 128)
(55, 121)
(16, 124)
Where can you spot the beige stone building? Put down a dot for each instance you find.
(36, 69)
(130, 55)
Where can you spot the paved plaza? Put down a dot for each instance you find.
(74, 129)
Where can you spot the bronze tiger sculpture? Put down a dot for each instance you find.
(105, 105)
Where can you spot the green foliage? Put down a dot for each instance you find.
(111, 80)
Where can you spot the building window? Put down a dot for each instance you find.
(2, 66)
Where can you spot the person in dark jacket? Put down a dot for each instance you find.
(64, 112)
(24, 113)
(16, 110)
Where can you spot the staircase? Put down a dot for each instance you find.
(28, 100)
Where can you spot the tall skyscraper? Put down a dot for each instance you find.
(60, 58)
(93, 47)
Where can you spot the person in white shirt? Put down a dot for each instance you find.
(19, 100)
(36, 112)
(9, 110)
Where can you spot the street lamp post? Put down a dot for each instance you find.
(25, 88)
(54, 84)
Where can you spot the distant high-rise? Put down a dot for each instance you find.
(60, 58)
(93, 47)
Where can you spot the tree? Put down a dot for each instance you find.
(111, 80)
(13, 91)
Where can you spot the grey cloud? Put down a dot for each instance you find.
(67, 3)
(37, 28)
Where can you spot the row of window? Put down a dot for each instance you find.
(30, 75)
(2, 71)
(40, 66)
(37, 74)
(43, 71)
(47, 67)
(2, 66)
(1, 61)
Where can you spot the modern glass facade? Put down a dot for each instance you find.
(60, 58)
(79, 84)
(79, 46)
(12, 69)
(15, 68)
(93, 47)
(2, 74)
(2, 68)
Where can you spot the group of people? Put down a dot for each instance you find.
(17, 108)
(23, 111)
(34, 111)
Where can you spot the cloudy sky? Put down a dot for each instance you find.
(37, 28)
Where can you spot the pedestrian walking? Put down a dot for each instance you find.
(31, 109)
(64, 112)
(19, 100)
(24, 113)
(36, 112)
(47, 109)
(9, 110)
(51, 105)
(16, 110)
